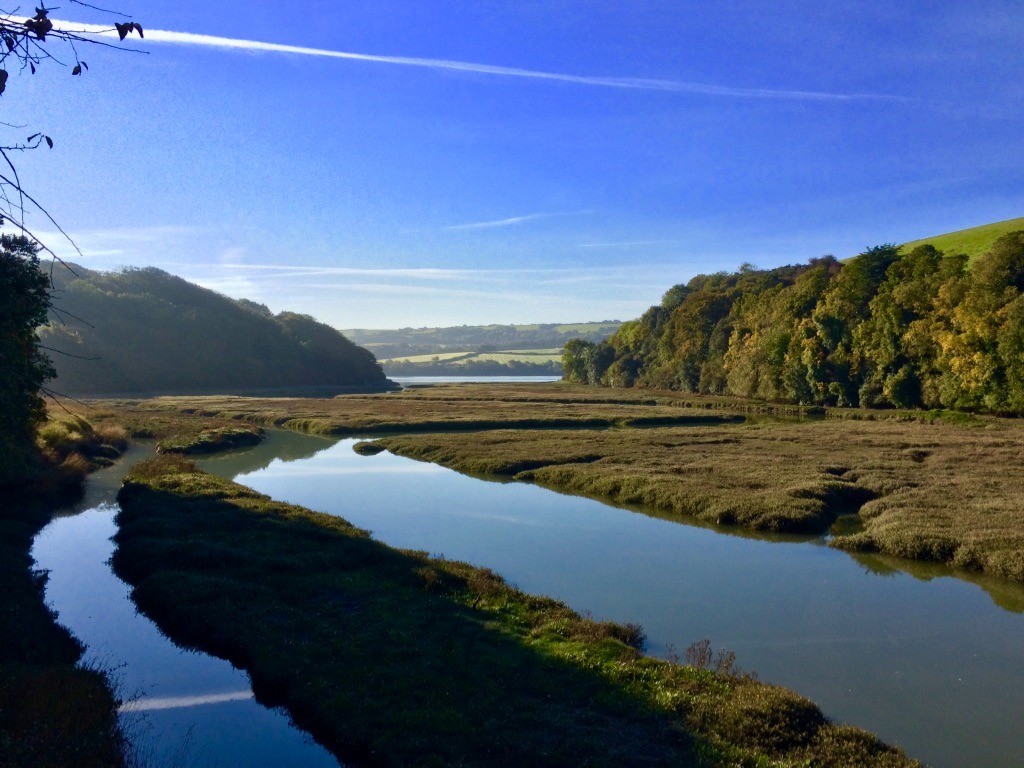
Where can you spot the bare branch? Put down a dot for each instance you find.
(67, 354)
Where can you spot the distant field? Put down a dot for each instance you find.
(553, 354)
(973, 241)
(430, 358)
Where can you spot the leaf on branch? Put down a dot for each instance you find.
(39, 25)
(9, 42)
(32, 67)
(33, 137)
(84, 64)
(138, 28)
(77, 70)
(3, 80)
(49, 141)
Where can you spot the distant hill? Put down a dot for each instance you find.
(146, 331)
(409, 342)
(973, 242)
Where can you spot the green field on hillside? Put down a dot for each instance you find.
(553, 354)
(973, 241)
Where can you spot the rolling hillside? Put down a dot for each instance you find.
(410, 342)
(477, 350)
(973, 242)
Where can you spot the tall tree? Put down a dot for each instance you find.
(24, 302)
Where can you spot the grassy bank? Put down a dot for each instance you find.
(394, 658)
(52, 712)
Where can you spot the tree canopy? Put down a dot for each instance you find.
(885, 329)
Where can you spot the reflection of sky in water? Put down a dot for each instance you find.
(921, 663)
(150, 703)
(185, 708)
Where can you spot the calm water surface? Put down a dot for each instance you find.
(926, 660)
(184, 709)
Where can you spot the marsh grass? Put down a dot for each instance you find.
(940, 486)
(395, 658)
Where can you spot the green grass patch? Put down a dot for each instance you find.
(972, 242)
(395, 658)
(211, 441)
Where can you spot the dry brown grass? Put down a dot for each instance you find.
(926, 486)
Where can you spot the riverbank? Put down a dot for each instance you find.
(52, 711)
(932, 492)
(392, 657)
(927, 486)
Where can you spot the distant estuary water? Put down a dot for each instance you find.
(914, 653)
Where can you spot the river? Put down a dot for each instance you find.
(925, 659)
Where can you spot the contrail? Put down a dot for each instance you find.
(633, 83)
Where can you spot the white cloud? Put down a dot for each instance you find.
(631, 83)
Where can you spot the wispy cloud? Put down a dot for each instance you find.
(631, 83)
(511, 221)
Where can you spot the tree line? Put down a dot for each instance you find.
(921, 329)
(146, 331)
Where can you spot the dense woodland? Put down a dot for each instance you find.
(146, 331)
(888, 328)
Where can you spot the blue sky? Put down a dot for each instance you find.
(385, 164)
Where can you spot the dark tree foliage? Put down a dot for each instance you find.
(885, 329)
(151, 332)
(24, 302)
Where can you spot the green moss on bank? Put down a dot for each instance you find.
(394, 658)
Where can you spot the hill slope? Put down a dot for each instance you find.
(973, 242)
(409, 342)
(146, 331)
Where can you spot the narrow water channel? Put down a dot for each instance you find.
(925, 659)
(183, 709)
